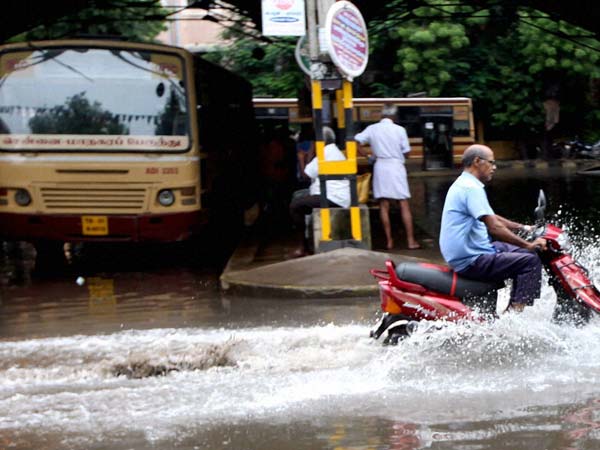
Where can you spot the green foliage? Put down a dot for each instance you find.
(591, 131)
(76, 116)
(502, 57)
(140, 23)
(377, 89)
(427, 48)
(508, 97)
(505, 57)
(276, 74)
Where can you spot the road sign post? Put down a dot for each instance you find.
(337, 49)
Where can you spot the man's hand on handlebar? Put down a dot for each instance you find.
(525, 232)
(538, 244)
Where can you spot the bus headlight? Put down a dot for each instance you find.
(22, 197)
(166, 197)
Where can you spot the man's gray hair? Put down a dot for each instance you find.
(389, 110)
(328, 136)
(472, 152)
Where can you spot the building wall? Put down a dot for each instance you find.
(187, 29)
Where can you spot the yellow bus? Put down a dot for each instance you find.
(104, 140)
(439, 129)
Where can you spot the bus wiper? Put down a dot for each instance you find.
(54, 55)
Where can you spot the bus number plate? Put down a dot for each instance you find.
(94, 225)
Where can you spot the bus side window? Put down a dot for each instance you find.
(461, 121)
(409, 118)
(461, 128)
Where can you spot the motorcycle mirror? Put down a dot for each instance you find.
(541, 207)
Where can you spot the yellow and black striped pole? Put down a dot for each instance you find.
(317, 103)
(337, 170)
(351, 157)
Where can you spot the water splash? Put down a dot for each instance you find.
(104, 386)
(203, 358)
(270, 371)
(584, 238)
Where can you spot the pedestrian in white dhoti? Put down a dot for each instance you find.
(389, 144)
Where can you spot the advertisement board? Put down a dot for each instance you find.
(347, 39)
(283, 18)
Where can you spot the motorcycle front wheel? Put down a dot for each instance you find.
(567, 309)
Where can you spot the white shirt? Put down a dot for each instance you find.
(387, 139)
(338, 191)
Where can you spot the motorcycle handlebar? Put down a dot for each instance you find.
(531, 234)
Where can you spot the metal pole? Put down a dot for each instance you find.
(312, 31)
(322, 9)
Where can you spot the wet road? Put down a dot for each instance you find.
(148, 354)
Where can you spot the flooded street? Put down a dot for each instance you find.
(145, 352)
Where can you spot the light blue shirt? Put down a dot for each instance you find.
(463, 237)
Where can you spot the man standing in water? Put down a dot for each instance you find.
(389, 144)
(468, 221)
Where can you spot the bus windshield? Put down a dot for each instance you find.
(92, 99)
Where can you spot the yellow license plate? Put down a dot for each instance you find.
(94, 225)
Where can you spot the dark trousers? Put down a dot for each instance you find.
(523, 266)
(303, 205)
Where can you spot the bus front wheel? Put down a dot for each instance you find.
(50, 255)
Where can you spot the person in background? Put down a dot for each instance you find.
(469, 223)
(390, 146)
(338, 191)
(305, 151)
(277, 169)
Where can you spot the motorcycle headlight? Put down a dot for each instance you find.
(564, 241)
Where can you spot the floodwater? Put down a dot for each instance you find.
(150, 355)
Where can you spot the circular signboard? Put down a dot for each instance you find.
(302, 55)
(347, 39)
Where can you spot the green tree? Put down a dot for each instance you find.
(504, 58)
(270, 67)
(136, 20)
(507, 58)
(426, 50)
(76, 116)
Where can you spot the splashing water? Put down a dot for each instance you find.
(584, 238)
(160, 382)
(460, 370)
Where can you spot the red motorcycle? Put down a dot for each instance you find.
(411, 292)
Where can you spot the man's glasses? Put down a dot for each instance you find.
(491, 161)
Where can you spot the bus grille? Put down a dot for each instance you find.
(94, 198)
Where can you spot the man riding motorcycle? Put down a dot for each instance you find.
(469, 223)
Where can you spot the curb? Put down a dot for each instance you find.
(309, 277)
(250, 289)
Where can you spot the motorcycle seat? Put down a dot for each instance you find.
(444, 280)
